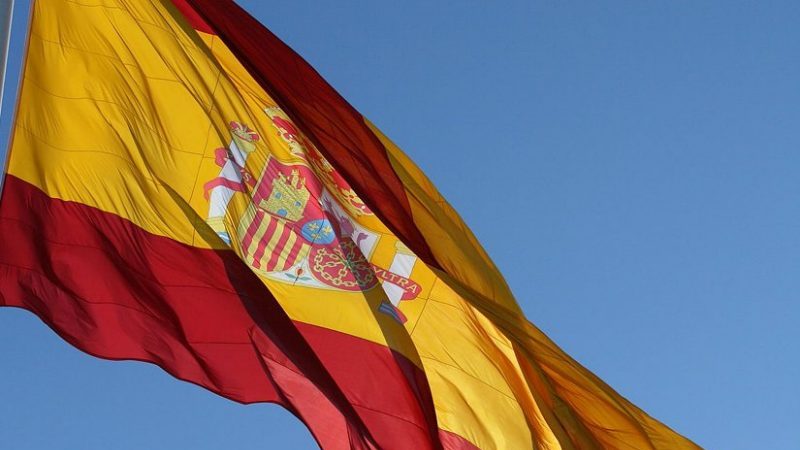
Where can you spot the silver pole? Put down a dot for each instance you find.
(6, 13)
(6, 17)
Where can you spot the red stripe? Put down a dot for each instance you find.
(335, 127)
(263, 240)
(278, 249)
(291, 259)
(251, 231)
(118, 292)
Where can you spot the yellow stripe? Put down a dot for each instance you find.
(258, 236)
(285, 250)
(75, 139)
(273, 241)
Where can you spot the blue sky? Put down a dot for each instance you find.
(632, 167)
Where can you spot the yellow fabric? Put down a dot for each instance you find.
(124, 108)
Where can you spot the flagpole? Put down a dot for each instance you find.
(6, 14)
(6, 21)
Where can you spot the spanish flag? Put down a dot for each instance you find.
(184, 189)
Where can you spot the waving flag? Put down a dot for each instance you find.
(184, 189)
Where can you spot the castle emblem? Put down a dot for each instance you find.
(288, 198)
(275, 228)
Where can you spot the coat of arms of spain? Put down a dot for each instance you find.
(300, 224)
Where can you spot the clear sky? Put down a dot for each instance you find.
(632, 167)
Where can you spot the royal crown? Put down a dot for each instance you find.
(244, 137)
(287, 131)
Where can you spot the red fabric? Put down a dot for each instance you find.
(338, 130)
(118, 292)
(452, 441)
